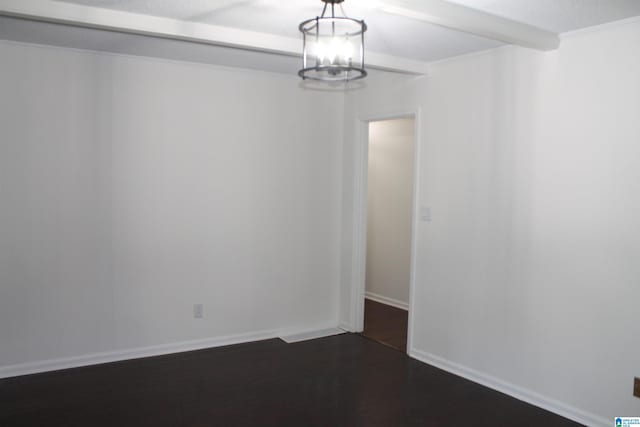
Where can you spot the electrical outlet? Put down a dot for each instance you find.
(636, 387)
(197, 311)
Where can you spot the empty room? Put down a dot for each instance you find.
(319, 213)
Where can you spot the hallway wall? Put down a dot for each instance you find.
(390, 210)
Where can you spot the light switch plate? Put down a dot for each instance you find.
(425, 213)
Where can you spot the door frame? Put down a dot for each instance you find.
(359, 247)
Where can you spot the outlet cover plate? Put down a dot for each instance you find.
(198, 311)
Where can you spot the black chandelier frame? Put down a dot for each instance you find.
(311, 30)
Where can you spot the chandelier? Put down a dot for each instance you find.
(333, 46)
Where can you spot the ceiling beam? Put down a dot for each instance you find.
(134, 23)
(472, 21)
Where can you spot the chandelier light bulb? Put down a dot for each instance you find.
(335, 48)
(320, 52)
(347, 51)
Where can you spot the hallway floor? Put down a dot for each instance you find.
(385, 324)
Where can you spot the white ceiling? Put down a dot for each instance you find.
(558, 16)
(27, 31)
(280, 17)
(388, 34)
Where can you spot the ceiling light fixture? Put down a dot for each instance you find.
(333, 46)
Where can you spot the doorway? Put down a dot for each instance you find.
(389, 230)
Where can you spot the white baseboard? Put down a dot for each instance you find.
(312, 335)
(386, 300)
(512, 390)
(135, 353)
(345, 327)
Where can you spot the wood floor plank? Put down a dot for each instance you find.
(344, 380)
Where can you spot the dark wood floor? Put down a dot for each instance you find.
(385, 324)
(344, 380)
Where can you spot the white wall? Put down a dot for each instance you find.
(390, 209)
(527, 276)
(132, 188)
